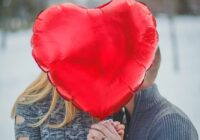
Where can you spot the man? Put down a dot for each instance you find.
(149, 116)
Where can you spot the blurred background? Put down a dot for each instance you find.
(179, 29)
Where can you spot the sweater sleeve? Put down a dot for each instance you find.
(25, 116)
(173, 127)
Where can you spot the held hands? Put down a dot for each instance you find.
(106, 130)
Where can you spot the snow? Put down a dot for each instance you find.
(181, 87)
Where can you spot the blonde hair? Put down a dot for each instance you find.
(38, 90)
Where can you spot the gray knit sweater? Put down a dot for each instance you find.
(76, 130)
(154, 118)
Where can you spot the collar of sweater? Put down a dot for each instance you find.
(147, 98)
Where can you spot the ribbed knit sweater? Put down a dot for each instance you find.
(155, 118)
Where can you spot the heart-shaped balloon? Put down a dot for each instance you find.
(96, 57)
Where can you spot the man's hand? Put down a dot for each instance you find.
(106, 130)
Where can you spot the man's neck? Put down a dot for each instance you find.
(130, 105)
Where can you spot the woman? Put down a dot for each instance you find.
(40, 113)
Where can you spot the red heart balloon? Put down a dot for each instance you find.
(95, 57)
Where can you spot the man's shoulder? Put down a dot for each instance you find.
(37, 108)
(163, 107)
(167, 109)
(172, 121)
(171, 125)
(171, 114)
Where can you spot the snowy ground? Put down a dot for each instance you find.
(18, 69)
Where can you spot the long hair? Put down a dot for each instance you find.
(38, 90)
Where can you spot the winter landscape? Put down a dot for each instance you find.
(178, 79)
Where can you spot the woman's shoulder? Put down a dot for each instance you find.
(34, 109)
(27, 114)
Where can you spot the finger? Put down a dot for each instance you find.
(95, 134)
(120, 126)
(90, 137)
(100, 127)
(120, 132)
(115, 123)
(110, 127)
(105, 121)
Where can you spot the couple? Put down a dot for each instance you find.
(40, 113)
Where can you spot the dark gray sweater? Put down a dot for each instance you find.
(155, 118)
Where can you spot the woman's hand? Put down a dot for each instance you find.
(106, 130)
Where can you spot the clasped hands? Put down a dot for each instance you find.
(106, 130)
